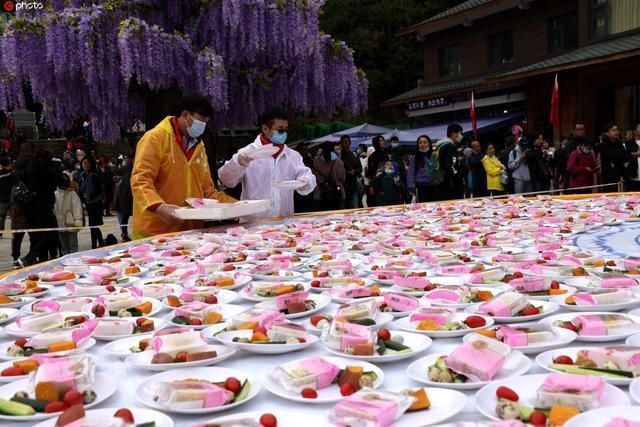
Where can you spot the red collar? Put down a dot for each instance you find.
(265, 141)
(180, 139)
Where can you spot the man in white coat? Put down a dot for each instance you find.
(260, 175)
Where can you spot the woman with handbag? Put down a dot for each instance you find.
(68, 210)
(497, 176)
(91, 189)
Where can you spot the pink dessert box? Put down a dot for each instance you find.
(480, 358)
(511, 336)
(440, 315)
(528, 284)
(401, 303)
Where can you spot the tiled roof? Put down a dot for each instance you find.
(469, 4)
(438, 88)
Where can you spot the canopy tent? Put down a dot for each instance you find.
(360, 132)
(438, 131)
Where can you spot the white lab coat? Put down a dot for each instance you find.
(258, 178)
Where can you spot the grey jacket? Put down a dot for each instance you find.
(518, 165)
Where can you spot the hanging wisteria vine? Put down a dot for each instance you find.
(80, 57)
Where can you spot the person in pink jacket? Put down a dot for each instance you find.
(581, 167)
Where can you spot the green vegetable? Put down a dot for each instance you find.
(243, 393)
(30, 351)
(9, 407)
(38, 405)
(372, 376)
(181, 320)
(134, 312)
(364, 322)
(149, 424)
(395, 345)
(598, 372)
(382, 348)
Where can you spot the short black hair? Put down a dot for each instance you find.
(394, 138)
(343, 137)
(270, 115)
(608, 126)
(587, 142)
(453, 128)
(376, 141)
(194, 103)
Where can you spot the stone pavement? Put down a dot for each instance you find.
(84, 241)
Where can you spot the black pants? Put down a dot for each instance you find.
(94, 212)
(16, 244)
(43, 243)
(424, 193)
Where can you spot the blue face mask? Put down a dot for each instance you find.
(334, 156)
(278, 138)
(197, 128)
(389, 171)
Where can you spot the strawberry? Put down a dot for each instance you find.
(309, 393)
(316, 318)
(475, 322)
(211, 299)
(563, 360)
(72, 397)
(56, 406)
(347, 389)
(530, 311)
(125, 415)
(315, 284)
(110, 288)
(506, 393)
(20, 342)
(570, 326)
(98, 310)
(195, 322)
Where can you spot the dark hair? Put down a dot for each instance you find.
(376, 141)
(419, 154)
(270, 115)
(363, 146)
(90, 160)
(428, 139)
(343, 137)
(64, 181)
(607, 127)
(194, 103)
(453, 128)
(587, 142)
(509, 140)
(5, 161)
(327, 149)
(394, 138)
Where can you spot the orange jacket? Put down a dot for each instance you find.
(162, 174)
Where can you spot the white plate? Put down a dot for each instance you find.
(559, 299)
(84, 346)
(600, 417)
(515, 365)
(125, 281)
(562, 337)
(547, 309)
(228, 311)
(285, 418)
(15, 331)
(142, 360)
(381, 319)
(140, 416)
(11, 313)
(59, 282)
(406, 325)
(29, 307)
(156, 307)
(263, 152)
(227, 339)
(144, 392)
(595, 338)
(634, 390)
(545, 359)
(244, 292)
(18, 304)
(633, 340)
(389, 282)
(527, 387)
(158, 324)
(418, 343)
(321, 301)
(47, 288)
(9, 364)
(329, 394)
(120, 348)
(104, 386)
(291, 276)
(290, 185)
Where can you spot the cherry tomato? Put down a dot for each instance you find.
(233, 385)
(315, 284)
(268, 420)
(555, 285)
(530, 311)
(347, 389)
(55, 407)
(538, 418)
(20, 342)
(195, 322)
(563, 360)
(309, 393)
(72, 397)
(124, 414)
(384, 334)
(140, 321)
(316, 318)
(211, 299)
(475, 322)
(518, 275)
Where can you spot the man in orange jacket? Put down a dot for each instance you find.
(171, 166)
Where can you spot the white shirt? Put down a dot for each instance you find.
(637, 177)
(258, 178)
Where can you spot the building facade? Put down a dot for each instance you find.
(509, 51)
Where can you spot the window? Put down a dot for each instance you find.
(500, 48)
(599, 18)
(449, 60)
(563, 32)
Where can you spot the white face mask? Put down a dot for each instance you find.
(459, 138)
(197, 128)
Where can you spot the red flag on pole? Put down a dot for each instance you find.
(472, 113)
(554, 114)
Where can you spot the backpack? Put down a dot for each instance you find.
(329, 190)
(20, 193)
(434, 172)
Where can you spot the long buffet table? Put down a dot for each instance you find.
(396, 379)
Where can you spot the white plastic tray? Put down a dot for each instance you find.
(224, 210)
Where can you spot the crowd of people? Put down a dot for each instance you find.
(60, 195)
(455, 167)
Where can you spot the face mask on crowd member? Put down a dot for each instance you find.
(424, 145)
(334, 156)
(586, 150)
